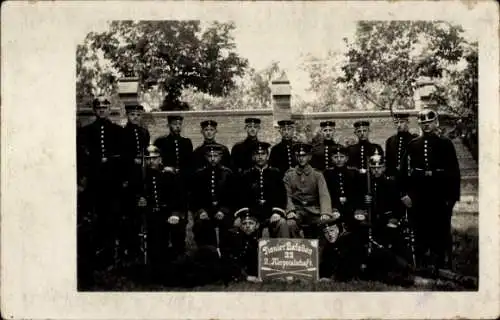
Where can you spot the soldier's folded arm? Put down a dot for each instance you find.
(290, 207)
(325, 201)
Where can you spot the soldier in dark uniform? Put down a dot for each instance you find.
(166, 218)
(308, 199)
(209, 131)
(102, 142)
(431, 187)
(263, 192)
(136, 140)
(395, 145)
(343, 184)
(176, 151)
(243, 248)
(241, 153)
(282, 156)
(212, 199)
(322, 153)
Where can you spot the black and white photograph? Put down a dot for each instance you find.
(306, 148)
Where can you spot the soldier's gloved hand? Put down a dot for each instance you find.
(335, 214)
(204, 215)
(142, 202)
(274, 218)
(137, 161)
(291, 215)
(219, 215)
(237, 222)
(406, 201)
(392, 223)
(324, 217)
(173, 219)
(368, 200)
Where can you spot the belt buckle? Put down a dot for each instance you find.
(214, 203)
(428, 173)
(362, 170)
(262, 201)
(304, 203)
(342, 200)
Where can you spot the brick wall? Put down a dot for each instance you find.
(231, 129)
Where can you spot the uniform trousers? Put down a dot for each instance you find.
(205, 233)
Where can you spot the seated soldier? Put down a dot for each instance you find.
(344, 257)
(263, 193)
(212, 199)
(166, 208)
(308, 200)
(342, 184)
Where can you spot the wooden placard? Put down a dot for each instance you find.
(288, 259)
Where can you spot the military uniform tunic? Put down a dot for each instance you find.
(241, 155)
(176, 152)
(342, 184)
(432, 180)
(212, 190)
(395, 148)
(282, 156)
(322, 155)
(244, 252)
(360, 152)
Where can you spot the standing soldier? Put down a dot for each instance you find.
(342, 184)
(431, 186)
(176, 151)
(263, 193)
(209, 131)
(241, 153)
(360, 152)
(322, 153)
(395, 146)
(308, 200)
(102, 142)
(166, 208)
(135, 141)
(282, 156)
(212, 199)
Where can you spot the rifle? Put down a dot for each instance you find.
(144, 226)
(369, 211)
(409, 237)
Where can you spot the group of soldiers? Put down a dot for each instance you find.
(377, 214)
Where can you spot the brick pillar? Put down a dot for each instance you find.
(281, 93)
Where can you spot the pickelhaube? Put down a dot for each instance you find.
(427, 115)
(152, 152)
(376, 160)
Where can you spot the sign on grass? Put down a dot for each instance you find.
(288, 259)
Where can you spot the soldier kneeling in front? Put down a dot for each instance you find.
(166, 207)
(263, 193)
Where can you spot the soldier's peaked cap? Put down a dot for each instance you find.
(361, 123)
(174, 118)
(328, 123)
(244, 214)
(252, 120)
(260, 146)
(340, 149)
(134, 107)
(207, 123)
(331, 222)
(427, 115)
(302, 148)
(212, 148)
(283, 123)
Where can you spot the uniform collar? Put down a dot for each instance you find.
(263, 168)
(251, 140)
(328, 142)
(306, 170)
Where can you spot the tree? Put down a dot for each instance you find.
(173, 55)
(386, 58)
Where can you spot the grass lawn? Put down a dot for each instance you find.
(465, 235)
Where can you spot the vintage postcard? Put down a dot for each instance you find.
(250, 160)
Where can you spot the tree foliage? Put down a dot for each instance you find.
(386, 58)
(173, 55)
